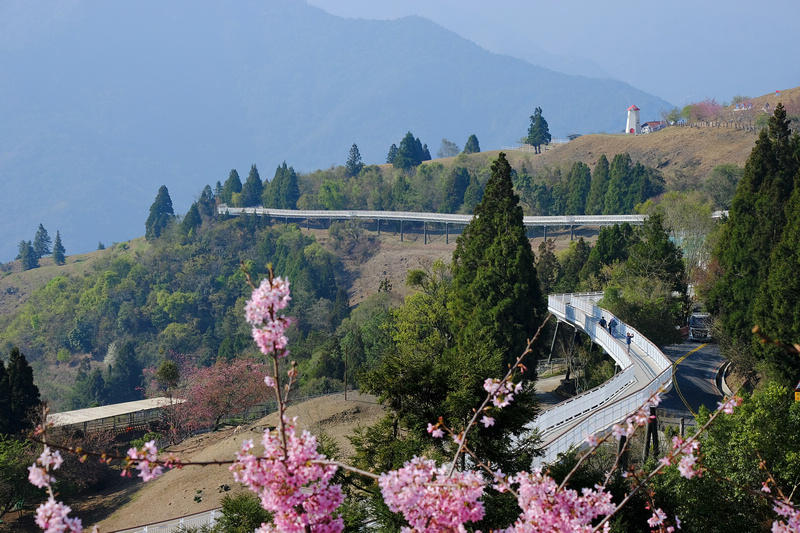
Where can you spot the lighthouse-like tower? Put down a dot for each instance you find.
(634, 127)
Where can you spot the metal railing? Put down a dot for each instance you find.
(595, 411)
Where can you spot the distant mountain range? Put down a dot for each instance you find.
(103, 102)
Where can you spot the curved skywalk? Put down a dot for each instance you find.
(442, 218)
(644, 370)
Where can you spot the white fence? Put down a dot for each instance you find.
(207, 518)
(597, 410)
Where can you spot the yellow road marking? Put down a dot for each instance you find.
(675, 378)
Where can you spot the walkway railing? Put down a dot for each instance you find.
(645, 370)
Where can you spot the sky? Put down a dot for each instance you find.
(681, 50)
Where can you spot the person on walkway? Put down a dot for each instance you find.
(602, 322)
(612, 326)
(628, 339)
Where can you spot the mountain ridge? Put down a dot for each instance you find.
(110, 101)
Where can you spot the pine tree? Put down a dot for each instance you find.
(58, 250)
(410, 153)
(232, 185)
(24, 395)
(41, 243)
(27, 255)
(5, 401)
(497, 301)
(619, 185)
(124, 378)
(354, 164)
(472, 146)
(539, 131)
(392, 154)
(777, 305)
(191, 220)
(598, 187)
(756, 224)
(283, 191)
(578, 185)
(252, 189)
(161, 214)
(207, 204)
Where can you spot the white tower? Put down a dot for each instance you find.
(634, 127)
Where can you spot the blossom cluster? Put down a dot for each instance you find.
(792, 515)
(502, 391)
(144, 459)
(52, 516)
(429, 499)
(291, 482)
(269, 328)
(546, 507)
(641, 417)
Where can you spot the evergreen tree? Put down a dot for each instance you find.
(538, 132)
(426, 154)
(454, 188)
(410, 154)
(619, 185)
(41, 243)
(191, 220)
(252, 189)
(473, 194)
(354, 164)
(232, 185)
(547, 266)
(612, 246)
(472, 146)
(124, 377)
(392, 154)
(283, 191)
(756, 225)
(5, 401)
(598, 187)
(161, 214)
(58, 250)
(777, 305)
(497, 301)
(27, 255)
(207, 204)
(24, 395)
(571, 265)
(578, 185)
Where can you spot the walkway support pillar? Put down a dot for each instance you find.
(401, 231)
(425, 232)
(446, 233)
(379, 226)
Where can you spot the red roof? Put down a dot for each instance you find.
(633, 108)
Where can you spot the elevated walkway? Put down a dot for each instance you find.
(644, 370)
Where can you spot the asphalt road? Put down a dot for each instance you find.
(696, 365)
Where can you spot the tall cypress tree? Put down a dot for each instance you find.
(472, 146)
(619, 185)
(5, 401)
(756, 224)
(539, 131)
(354, 164)
(597, 189)
(252, 189)
(497, 302)
(232, 185)
(161, 214)
(24, 395)
(41, 242)
(58, 250)
(579, 183)
(777, 306)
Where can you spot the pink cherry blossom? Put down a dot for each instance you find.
(291, 483)
(548, 508)
(429, 499)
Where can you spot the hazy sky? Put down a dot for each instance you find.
(681, 50)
